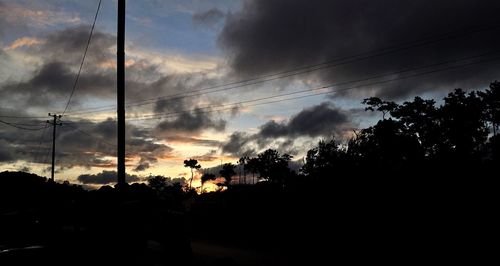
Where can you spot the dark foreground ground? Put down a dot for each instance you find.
(390, 222)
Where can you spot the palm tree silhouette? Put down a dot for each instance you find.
(243, 162)
(193, 164)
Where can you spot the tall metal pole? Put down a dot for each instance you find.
(53, 148)
(54, 123)
(120, 61)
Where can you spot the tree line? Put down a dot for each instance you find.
(416, 137)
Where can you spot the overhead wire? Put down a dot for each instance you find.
(239, 104)
(289, 73)
(349, 82)
(243, 83)
(22, 117)
(83, 59)
(22, 127)
(260, 79)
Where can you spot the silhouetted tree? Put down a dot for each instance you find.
(227, 172)
(494, 143)
(421, 119)
(243, 162)
(158, 183)
(206, 177)
(387, 145)
(376, 104)
(193, 164)
(321, 160)
(273, 166)
(252, 166)
(491, 99)
(457, 130)
(463, 123)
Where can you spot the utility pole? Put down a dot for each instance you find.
(120, 67)
(54, 123)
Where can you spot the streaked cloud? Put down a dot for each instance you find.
(14, 13)
(24, 42)
(172, 62)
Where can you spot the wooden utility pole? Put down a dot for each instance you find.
(55, 122)
(120, 67)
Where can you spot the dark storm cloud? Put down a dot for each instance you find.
(16, 144)
(68, 45)
(174, 85)
(209, 17)
(270, 36)
(53, 81)
(100, 142)
(181, 91)
(176, 97)
(273, 129)
(237, 141)
(191, 122)
(142, 167)
(176, 91)
(319, 120)
(107, 129)
(104, 178)
(84, 144)
(171, 105)
(52, 75)
(91, 150)
(323, 120)
(184, 138)
(60, 53)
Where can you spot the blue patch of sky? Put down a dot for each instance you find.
(173, 33)
(168, 25)
(151, 24)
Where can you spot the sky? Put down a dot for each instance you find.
(217, 80)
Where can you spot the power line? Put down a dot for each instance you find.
(296, 71)
(27, 125)
(83, 58)
(353, 81)
(21, 127)
(317, 94)
(22, 117)
(323, 93)
(238, 104)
